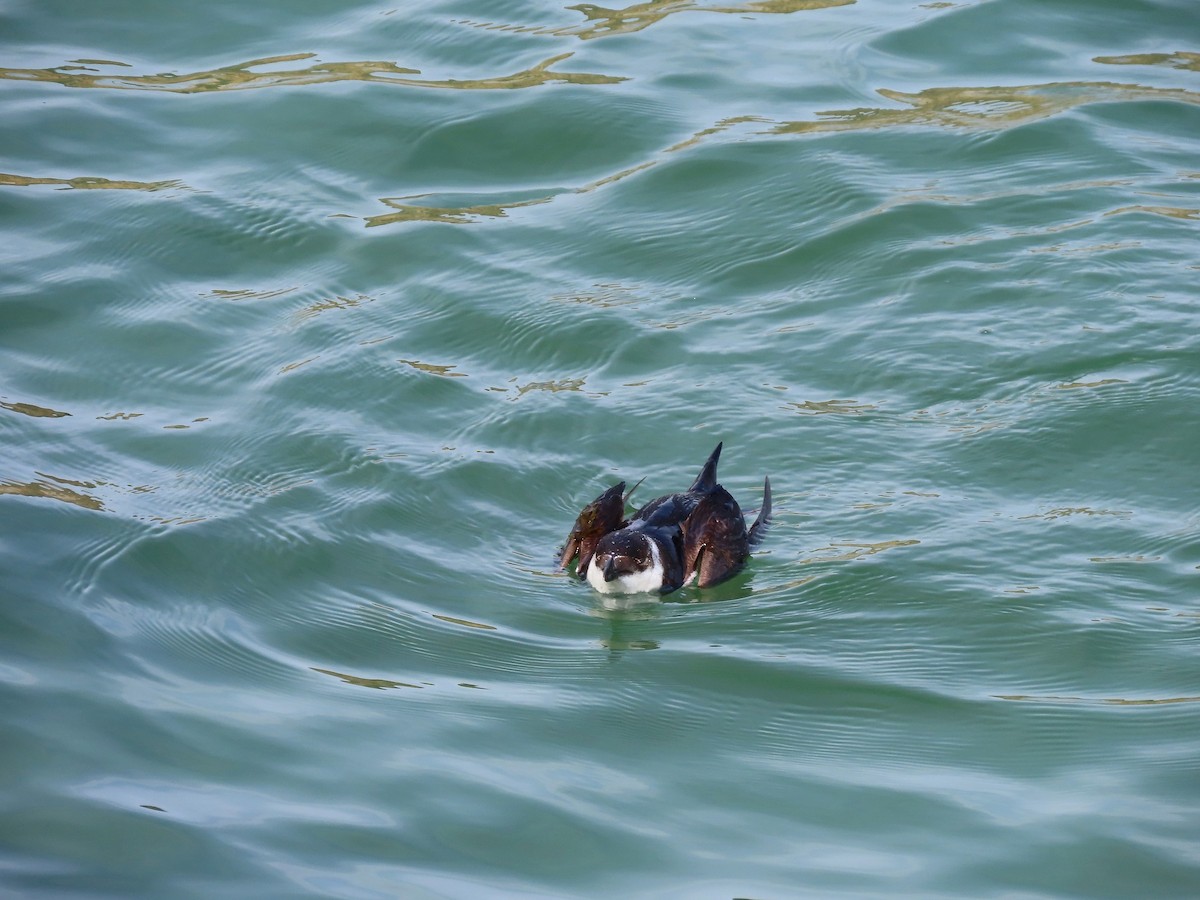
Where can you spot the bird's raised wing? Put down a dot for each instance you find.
(604, 514)
(715, 543)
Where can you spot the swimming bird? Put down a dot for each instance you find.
(697, 534)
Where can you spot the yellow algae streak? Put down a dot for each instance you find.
(981, 107)
(38, 412)
(453, 215)
(89, 183)
(1181, 59)
(379, 684)
(564, 384)
(48, 491)
(466, 623)
(604, 21)
(242, 76)
(1172, 212)
(430, 368)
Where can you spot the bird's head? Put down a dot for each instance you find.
(627, 562)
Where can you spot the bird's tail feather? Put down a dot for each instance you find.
(759, 529)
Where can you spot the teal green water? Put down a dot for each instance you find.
(320, 322)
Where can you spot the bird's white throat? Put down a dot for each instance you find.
(643, 582)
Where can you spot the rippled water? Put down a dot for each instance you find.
(321, 322)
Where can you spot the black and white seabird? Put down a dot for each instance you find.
(698, 534)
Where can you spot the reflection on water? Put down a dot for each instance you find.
(563, 384)
(1179, 60)
(468, 214)
(603, 21)
(845, 551)
(1171, 212)
(602, 296)
(629, 606)
(624, 615)
(615, 644)
(50, 491)
(829, 407)
(323, 306)
(465, 623)
(379, 684)
(241, 77)
(246, 294)
(1064, 511)
(452, 215)
(1103, 701)
(950, 107)
(29, 409)
(432, 369)
(982, 107)
(90, 183)
(1076, 385)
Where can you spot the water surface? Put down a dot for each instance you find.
(320, 324)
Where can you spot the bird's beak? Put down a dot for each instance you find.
(610, 568)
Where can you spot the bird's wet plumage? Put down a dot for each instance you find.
(696, 534)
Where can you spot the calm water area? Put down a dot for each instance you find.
(320, 322)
